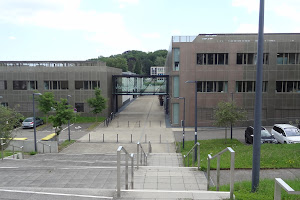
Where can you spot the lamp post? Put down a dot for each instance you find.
(195, 115)
(69, 133)
(231, 123)
(34, 125)
(183, 124)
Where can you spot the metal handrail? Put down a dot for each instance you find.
(197, 145)
(149, 147)
(279, 183)
(142, 157)
(21, 147)
(44, 146)
(131, 156)
(232, 154)
(2, 144)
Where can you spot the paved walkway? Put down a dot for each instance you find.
(141, 121)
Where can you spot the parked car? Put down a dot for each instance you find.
(286, 133)
(28, 122)
(266, 136)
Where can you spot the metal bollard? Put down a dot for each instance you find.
(139, 123)
(103, 137)
(150, 123)
(128, 123)
(160, 138)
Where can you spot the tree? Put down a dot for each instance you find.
(9, 119)
(45, 103)
(147, 64)
(98, 103)
(228, 113)
(138, 67)
(160, 61)
(63, 113)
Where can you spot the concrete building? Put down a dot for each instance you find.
(157, 71)
(224, 68)
(20, 79)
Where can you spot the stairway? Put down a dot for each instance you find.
(165, 178)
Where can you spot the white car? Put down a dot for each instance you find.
(285, 133)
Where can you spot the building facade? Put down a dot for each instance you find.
(223, 68)
(20, 79)
(157, 71)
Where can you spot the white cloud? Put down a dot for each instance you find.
(12, 37)
(105, 28)
(251, 28)
(151, 35)
(251, 5)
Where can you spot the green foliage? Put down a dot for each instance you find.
(98, 103)
(127, 60)
(63, 113)
(138, 67)
(273, 156)
(45, 103)
(228, 113)
(242, 190)
(9, 119)
(159, 61)
(32, 153)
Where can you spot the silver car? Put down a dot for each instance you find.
(28, 122)
(286, 133)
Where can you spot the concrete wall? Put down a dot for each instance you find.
(28, 146)
(277, 107)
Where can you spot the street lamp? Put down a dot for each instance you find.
(195, 115)
(183, 123)
(34, 125)
(69, 120)
(231, 123)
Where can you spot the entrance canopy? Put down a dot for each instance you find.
(140, 85)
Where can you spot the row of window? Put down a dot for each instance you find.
(51, 85)
(245, 58)
(247, 86)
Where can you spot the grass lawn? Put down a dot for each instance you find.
(273, 156)
(242, 190)
(65, 144)
(6, 153)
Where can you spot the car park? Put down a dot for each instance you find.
(266, 136)
(286, 133)
(29, 122)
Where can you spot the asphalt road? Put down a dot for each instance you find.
(212, 133)
(76, 131)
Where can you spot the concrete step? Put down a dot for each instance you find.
(169, 178)
(176, 195)
(165, 159)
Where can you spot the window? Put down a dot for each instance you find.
(5, 104)
(212, 59)
(25, 85)
(87, 85)
(79, 107)
(249, 86)
(176, 59)
(288, 86)
(212, 86)
(56, 85)
(288, 58)
(3, 85)
(250, 58)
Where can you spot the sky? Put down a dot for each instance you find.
(83, 29)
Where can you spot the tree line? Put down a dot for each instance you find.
(135, 61)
